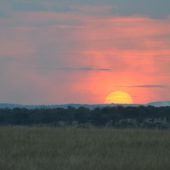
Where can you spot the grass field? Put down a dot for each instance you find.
(23, 148)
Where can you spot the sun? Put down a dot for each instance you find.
(119, 97)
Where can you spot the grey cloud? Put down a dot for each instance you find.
(147, 86)
(78, 68)
(151, 86)
(92, 69)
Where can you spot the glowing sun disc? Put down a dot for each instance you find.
(119, 97)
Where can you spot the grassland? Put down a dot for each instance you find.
(23, 148)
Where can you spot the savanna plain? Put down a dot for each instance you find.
(44, 148)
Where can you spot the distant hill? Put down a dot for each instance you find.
(10, 106)
(160, 104)
(92, 106)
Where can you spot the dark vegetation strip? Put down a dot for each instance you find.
(145, 117)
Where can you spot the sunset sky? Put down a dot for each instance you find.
(76, 51)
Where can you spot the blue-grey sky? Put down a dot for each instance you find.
(151, 8)
(75, 51)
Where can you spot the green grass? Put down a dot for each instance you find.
(23, 148)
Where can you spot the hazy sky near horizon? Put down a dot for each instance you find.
(76, 51)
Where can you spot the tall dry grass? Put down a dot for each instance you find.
(23, 148)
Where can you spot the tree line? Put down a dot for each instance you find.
(141, 116)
